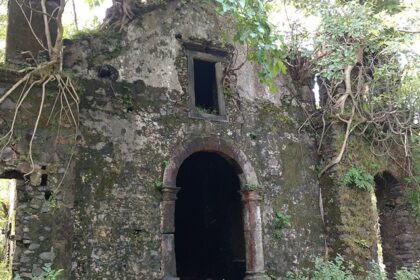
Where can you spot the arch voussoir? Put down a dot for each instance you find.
(252, 213)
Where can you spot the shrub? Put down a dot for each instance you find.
(405, 274)
(358, 178)
(48, 273)
(413, 198)
(281, 222)
(324, 270)
(5, 271)
(337, 270)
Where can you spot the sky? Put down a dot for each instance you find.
(281, 18)
(85, 15)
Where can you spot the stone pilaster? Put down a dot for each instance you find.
(253, 235)
(168, 233)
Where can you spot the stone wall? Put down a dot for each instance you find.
(131, 141)
(353, 221)
(131, 120)
(398, 226)
(103, 220)
(92, 204)
(44, 197)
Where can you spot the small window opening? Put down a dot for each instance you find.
(44, 180)
(205, 87)
(47, 195)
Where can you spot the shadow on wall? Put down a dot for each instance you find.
(396, 230)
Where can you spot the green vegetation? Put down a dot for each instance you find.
(128, 101)
(324, 270)
(405, 274)
(412, 196)
(281, 222)
(363, 55)
(412, 193)
(359, 179)
(94, 3)
(158, 185)
(5, 272)
(3, 24)
(338, 269)
(48, 273)
(266, 47)
(252, 187)
(203, 110)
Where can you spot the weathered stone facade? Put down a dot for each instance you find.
(112, 215)
(355, 222)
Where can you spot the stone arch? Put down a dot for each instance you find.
(210, 144)
(396, 228)
(250, 200)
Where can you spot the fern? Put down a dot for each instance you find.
(358, 178)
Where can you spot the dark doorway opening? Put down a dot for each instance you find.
(209, 231)
(389, 198)
(205, 87)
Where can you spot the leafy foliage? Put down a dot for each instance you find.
(5, 269)
(324, 270)
(94, 3)
(338, 269)
(358, 178)
(405, 274)
(413, 198)
(252, 187)
(3, 27)
(344, 32)
(48, 273)
(5, 272)
(282, 221)
(368, 89)
(412, 192)
(370, 75)
(390, 6)
(250, 17)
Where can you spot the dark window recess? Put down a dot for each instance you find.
(205, 87)
(44, 179)
(47, 195)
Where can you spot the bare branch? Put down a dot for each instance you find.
(338, 158)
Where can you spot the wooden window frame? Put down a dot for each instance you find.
(218, 61)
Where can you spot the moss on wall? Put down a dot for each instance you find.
(352, 213)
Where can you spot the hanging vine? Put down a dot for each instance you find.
(45, 74)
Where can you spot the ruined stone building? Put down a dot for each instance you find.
(184, 166)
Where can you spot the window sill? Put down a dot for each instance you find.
(209, 117)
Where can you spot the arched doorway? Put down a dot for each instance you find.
(209, 236)
(239, 169)
(392, 220)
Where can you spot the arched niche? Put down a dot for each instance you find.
(250, 203)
